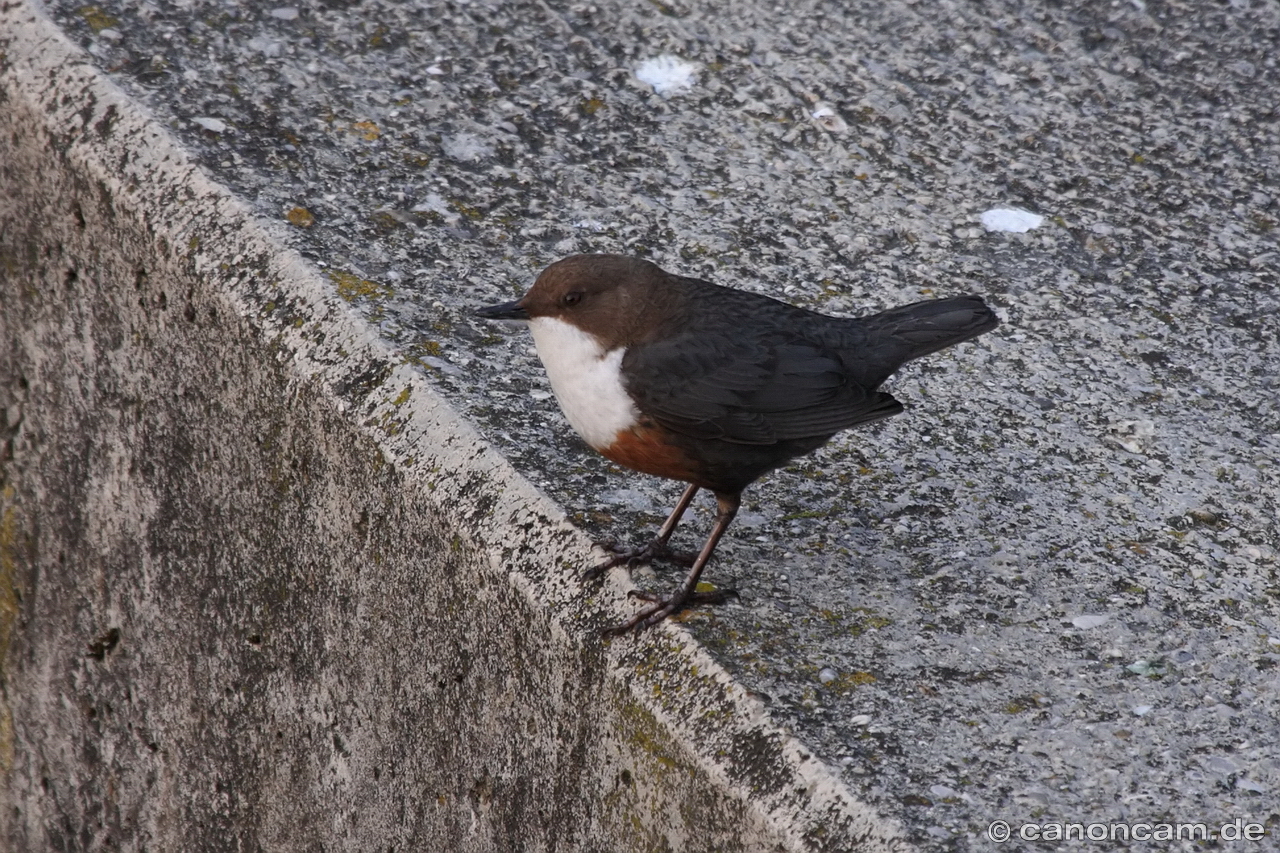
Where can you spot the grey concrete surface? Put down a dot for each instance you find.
(1045, 594)
(261, 588)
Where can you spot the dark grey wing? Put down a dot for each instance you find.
(750, 388)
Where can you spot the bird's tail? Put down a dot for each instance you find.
(911, 331)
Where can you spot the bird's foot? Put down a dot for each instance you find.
(632, 557)
(661, 607)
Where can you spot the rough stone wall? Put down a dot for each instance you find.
(227, 619)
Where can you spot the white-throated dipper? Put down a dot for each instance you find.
(688, 380)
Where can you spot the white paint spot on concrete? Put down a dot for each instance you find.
(667, 74)
(1011, 219)
(213, 125)
(827, 118)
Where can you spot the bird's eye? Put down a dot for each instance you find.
(571, 298)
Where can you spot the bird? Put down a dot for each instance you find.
(710, 385)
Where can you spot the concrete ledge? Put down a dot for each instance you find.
(1044, 597)
(260, 588)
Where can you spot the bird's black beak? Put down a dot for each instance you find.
(505, 311)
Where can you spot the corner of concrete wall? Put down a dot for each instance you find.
(261, 588)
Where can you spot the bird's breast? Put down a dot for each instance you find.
(586, 379)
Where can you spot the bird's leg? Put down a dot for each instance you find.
(655, 550)
(687, 595)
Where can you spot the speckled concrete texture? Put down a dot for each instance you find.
(261, 588)
(1048, 592)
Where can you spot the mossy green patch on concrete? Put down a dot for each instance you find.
(848, 681)
(645, 733)
(9, 547)
(97, 18)
(352, 287)
(9, 609)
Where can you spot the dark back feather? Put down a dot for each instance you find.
(747, 369)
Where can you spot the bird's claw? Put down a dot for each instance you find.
(661, 608)
(633, 556)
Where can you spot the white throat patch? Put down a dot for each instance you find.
(586, 379)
